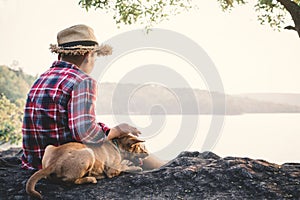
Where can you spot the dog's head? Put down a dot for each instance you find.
(132, 149)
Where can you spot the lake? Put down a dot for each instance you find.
(272, 137)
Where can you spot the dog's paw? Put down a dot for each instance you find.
(94, 181)
(89, 179)
(126, 162)
(134, 169)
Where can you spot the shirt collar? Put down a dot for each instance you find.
(64, 64)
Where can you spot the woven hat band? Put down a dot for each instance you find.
(78, 43)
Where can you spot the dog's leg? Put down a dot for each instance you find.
(112, 172)
(152, 162)
(101, 176)
(88, 179)
(126, 168)
(97, 174)
(97, 170)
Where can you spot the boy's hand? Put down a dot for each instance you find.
(122, 130)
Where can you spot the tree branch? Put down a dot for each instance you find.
(294, 10)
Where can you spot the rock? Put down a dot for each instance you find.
(191, 175)
(10, 152)
(17, 197)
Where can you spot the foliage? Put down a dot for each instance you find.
(10, 120)
(268, 11)
(144, 12)
(149, 12)
(14, 85)
(271, 12)
(229, 4)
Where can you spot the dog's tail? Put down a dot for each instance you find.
(30, 185)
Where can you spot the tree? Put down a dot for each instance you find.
(10, 120)
(293, 7)
(148, 12)
(14, 85)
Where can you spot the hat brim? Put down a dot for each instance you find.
(102, 50)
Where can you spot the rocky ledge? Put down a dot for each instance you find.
(191, 175)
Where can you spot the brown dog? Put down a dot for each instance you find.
(80, 163)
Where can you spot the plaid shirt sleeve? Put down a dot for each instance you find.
(82, 117)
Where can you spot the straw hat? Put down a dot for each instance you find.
(78, 40)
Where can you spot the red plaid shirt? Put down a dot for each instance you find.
(60, 108)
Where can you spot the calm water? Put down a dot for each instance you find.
(272, 137)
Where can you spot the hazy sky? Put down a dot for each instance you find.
(249, 57)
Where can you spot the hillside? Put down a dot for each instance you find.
(153, 99)
(279, 98)
(133, 99)
(14, 84)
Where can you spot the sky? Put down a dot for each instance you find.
(249, 57)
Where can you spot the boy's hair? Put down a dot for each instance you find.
(75, 59)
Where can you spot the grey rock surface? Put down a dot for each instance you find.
(191, 175)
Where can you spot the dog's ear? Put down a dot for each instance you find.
(135, 140)
(132, 138)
